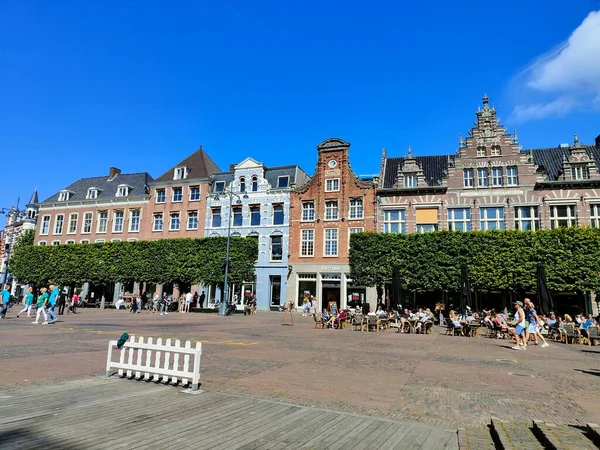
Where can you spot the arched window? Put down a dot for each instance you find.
(254, 183)
(242, 184)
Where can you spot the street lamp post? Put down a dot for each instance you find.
(8, 245)
(225, 301)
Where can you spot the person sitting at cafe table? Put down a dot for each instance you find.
(337, 320)
(424, 318)
(455, 320)
(404, 317)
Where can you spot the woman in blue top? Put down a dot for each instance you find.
(28, 303)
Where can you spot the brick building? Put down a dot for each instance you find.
(333, 204)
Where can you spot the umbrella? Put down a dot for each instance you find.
(545, 302)
(465, 298)
(396, 289)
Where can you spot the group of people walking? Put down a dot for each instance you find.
(48, 299)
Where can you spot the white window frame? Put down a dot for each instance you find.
(84, 241)
(353, 230)
(42, 243)
(237, 216)
(73, 219)
(55, 242)
(122, 190)
(307, 242)
(495, 150)
(283, 177)
(85, 221)
(410, 180)
(331, 242)
(173, 191)
(580, 172)
(356, 209)
(131, 239)
(481, 151)
(253, 209)
(46, 220)
(117, 220)
(190, 214)
(212, 216)
(56, 223)
(571, 217)
(464, 222)
(242, 184)
(116, 240)
(332, 185)
(308, 211)
(219, 186)
(271, 247)
(483, 181)
(164, 196)
(191, 191)
(254, 183)
(282, 206)
(155, 222)
(64, 196)
(132, 220)
(497, 176)
(92, 194)
(388, 222)
(484, 221)
(512, 179)
(534, 218)
(102, 220)
(180, 173)
(468, 178)
(332, 211)
(595, 215)
(172, 216)
(100, 241)
(70, 241)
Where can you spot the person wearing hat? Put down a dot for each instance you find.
(520, 327)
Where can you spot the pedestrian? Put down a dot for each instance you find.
(4, 301)
(201, 299)
(28, 303)
(74, 302)
(62, 301)
(52, 302)
(520, 327)
(188, 302)
(42, 304)
(534, 324)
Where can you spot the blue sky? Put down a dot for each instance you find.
(140, 85)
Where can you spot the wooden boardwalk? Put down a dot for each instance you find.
(117, 413)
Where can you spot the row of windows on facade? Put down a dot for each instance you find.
(283, 182)
(86, 226)
(93, 192)
(490, 218)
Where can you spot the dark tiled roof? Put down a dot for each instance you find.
(107, 189)
(200, 165)
(434, 167)
(550, 160)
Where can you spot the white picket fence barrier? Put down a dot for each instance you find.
(149, 359)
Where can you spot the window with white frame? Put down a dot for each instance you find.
(254, 183)
(131, 239)
(161, 196)
(85, 241)
(194, 193)
(180, 173)
(102, 222)
(394, 221)
(491, 218)
(410, 180)
(512, 178)
(174, 222)
(459, 219)
(527, 218)
(55, 242)
(238, 219)
(580, 172)
(100, 241)
(157, 222)
(64, 196)
(468, 177)
(481, 152)
(118, 221)
(332, 185)
(72, 223)
(482, 177)
(219, 186)
(331, 210)
(278, 215)
(45, 225)
(356, 208)
(276, 248)
(308, 211)
(122, 190)
(92, 193)
(283, 182)
(563, 216)
(354, 230)
(497, 175)
(307, 243)
(58, 223)
(177, 195)
(242, 184)
(192, 222)
(595, 215)
(115, 240)
(331, 242)
(254, 215)
(42, 243)
(216, 217)
(70, 241)
(495, 150)
(134, 220)
(87, 222)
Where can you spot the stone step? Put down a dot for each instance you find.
(478, 438)
(513, 436)
(562, 436)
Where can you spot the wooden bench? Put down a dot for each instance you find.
(149, 359)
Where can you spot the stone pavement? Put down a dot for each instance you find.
(444, 381)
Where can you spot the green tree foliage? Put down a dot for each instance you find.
(496, 259)
(163, 261)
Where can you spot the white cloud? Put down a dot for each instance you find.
(566, 79)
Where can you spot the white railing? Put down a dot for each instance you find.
(149, 359)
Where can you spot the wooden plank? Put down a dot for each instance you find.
(414, 439)
(349, 438)
(365, 438)
(384, 434)
(320, 430)
(438, 439)
(335, 425)
(398, 435)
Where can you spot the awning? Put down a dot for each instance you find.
(427, 216)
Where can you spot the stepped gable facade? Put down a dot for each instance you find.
(324, 212)
(491, 183)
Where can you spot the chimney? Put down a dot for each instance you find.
(232, 167)
(598, 141)
(113, 172)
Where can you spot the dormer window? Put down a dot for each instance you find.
(92, 193)
(254, 183)
(283, 182)
(122, 190)
(180, 173)
(410, 180)
(219, 186)
(580, 172)
(242, 184)
(64, 196)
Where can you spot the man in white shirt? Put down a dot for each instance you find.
(188, 302)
